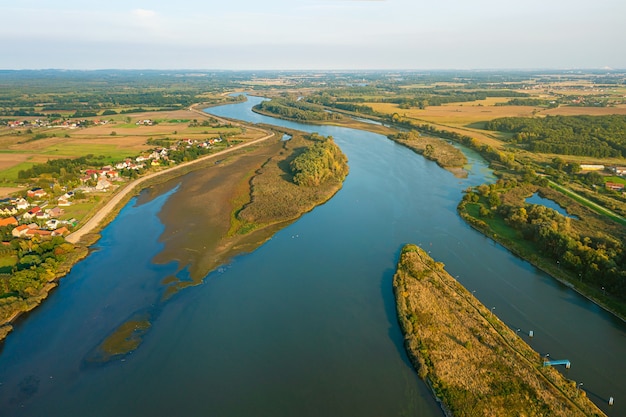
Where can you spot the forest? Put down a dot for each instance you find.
(296, 110)
(595, 136)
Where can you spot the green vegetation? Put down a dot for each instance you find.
(309, 171)
(582, 251)
(319, 163)
(122, 341)
(597, 136)
(473, 362)
(36, 265)
(295, 110)
(435, 149)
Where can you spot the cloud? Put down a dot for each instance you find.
(144, 13)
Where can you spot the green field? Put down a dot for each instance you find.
(9, 176)
(615, 179)
(7, 263)
(111, 153)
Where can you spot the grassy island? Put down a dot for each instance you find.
(435, 149)
(474, 363)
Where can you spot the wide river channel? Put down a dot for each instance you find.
(303, 326)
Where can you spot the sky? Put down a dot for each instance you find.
(313, 34)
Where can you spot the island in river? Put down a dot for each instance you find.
(474, 363)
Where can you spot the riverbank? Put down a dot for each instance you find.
(13, 308)
(474, 363)
(586, 225)
(435, 149)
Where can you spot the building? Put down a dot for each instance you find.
(9, 221)
(614, 186)
(36, 193)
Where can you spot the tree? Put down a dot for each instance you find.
(494, 199)
(594, 178)
(25, 283)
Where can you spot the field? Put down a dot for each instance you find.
(114, 141)
(469, 118)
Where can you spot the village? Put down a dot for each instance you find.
(39, 212)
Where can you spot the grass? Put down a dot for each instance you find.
(78, 210)
(7, 263)
(10, 175)
(111, 153)
(615, 179)
(590, 204)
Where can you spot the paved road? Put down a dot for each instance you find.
(94, 222)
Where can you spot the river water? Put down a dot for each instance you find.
(304, 325)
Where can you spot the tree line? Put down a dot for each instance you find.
(596, 258)
(37, 264)
(296, 110)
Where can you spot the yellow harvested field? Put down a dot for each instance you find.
(592, 111)
(456, 114)
(7, 191)
(128, 139)
(7, 160)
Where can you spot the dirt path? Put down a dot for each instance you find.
(95, 221)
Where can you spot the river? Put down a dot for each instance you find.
(305, 325)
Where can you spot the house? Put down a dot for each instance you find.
(9, 221)
(103, 184)
(112, 174)
(37, 232)
(94, 173)
(20, 231)
(8, 210)
(31, 213)
(42, 215)
(63, 202)
(614, 186)
(61, 231)
(22, 204)
(52, 224)
(55, 212)
(36, 193)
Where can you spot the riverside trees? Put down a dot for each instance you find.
(319, 162)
